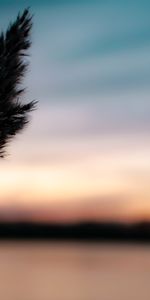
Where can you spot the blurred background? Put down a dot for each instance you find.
(85, 154)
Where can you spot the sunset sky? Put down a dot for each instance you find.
(86, 153)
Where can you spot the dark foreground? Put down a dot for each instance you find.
(77, 232)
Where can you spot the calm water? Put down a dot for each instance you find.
(46, 271)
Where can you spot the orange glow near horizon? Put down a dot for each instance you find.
(108, 186)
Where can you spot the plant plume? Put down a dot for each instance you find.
(13, 51)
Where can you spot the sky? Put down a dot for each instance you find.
(86, 153)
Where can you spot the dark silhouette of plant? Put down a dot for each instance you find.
(13, 46)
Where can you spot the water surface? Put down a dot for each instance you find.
(54, 271)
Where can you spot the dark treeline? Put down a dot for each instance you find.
(77, 232)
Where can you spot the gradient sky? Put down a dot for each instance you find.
(86, 152)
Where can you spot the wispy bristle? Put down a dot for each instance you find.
(13, 48)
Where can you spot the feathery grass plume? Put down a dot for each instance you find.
(13, 46)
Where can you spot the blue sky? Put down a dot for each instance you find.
(90, 71)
